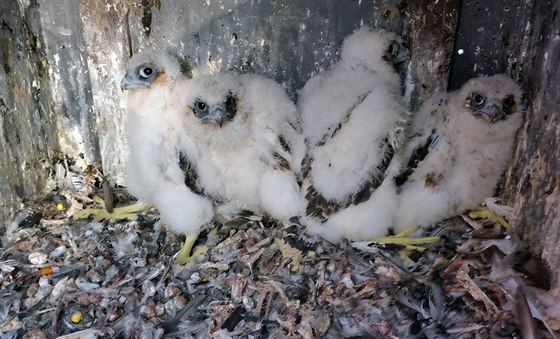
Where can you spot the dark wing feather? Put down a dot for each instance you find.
(374, 183)
(280, 163)
(285, 146)
(191, 175)
(334, 129)
(416, 157)
(319, 207)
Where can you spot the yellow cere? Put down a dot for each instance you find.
(76, 317)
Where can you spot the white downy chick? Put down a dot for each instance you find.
(353, 119)
(460, 144)
(243, 140)
(154, 127)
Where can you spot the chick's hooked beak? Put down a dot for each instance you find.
(129, 81)
(218, 114)
(493, 112)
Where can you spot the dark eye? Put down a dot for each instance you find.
(508, 101)
(200, 105)
(146, 72)
(477, 99)
(231, 102)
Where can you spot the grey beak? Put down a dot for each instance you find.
(129, 82)
(218, 113)
(125, 82)
(493, 112)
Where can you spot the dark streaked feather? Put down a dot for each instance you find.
(191, 176)
(306, 167)
(331, 134)
(322, 208)
(281, 163)
(374, 183)
(318, 206)
(284, 144)
(416, 157)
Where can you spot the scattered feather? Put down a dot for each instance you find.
(117, 279)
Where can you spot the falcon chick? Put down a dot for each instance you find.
(460, 144)
(154, 128)
(147, 83)
(242, 143)
(353, 120)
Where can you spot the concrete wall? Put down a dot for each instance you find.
(533, 183)
(27, 131)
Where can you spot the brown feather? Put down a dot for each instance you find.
(191, 176)
(160, 79)
(332, 134)
(432, 180)
(321, 208)
(416, 157)
(306, 167)
(281, 163)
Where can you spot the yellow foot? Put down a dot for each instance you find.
(184, 255)
(290, 253)
(486, 213)
(405, 243)
(402, 238)
(118, 213)
(409, 244)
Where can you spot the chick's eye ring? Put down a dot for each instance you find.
(200, 105)
(477, 99)
(230, 101)
(146, 72)
(508, 101)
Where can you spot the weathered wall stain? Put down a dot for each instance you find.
(483, 38)
(532, 182)
(432, 25)
(26, 133)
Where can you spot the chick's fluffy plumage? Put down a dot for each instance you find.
(353, 117)
(243, 139)
(460, 144)
(154, 128)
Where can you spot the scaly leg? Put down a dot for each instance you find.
(118, 213)
(410, 243)
(402, 238)
(487, 213)
(184, 254)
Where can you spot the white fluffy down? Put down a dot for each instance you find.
(420, 206)
(150, 134)
(154, 131)
(359, 101)
(181, 209)
(469, 159)
(364, 221)
(328, 97)
(351, 157)
(280, 195)
(236, 163)
(352, 114)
